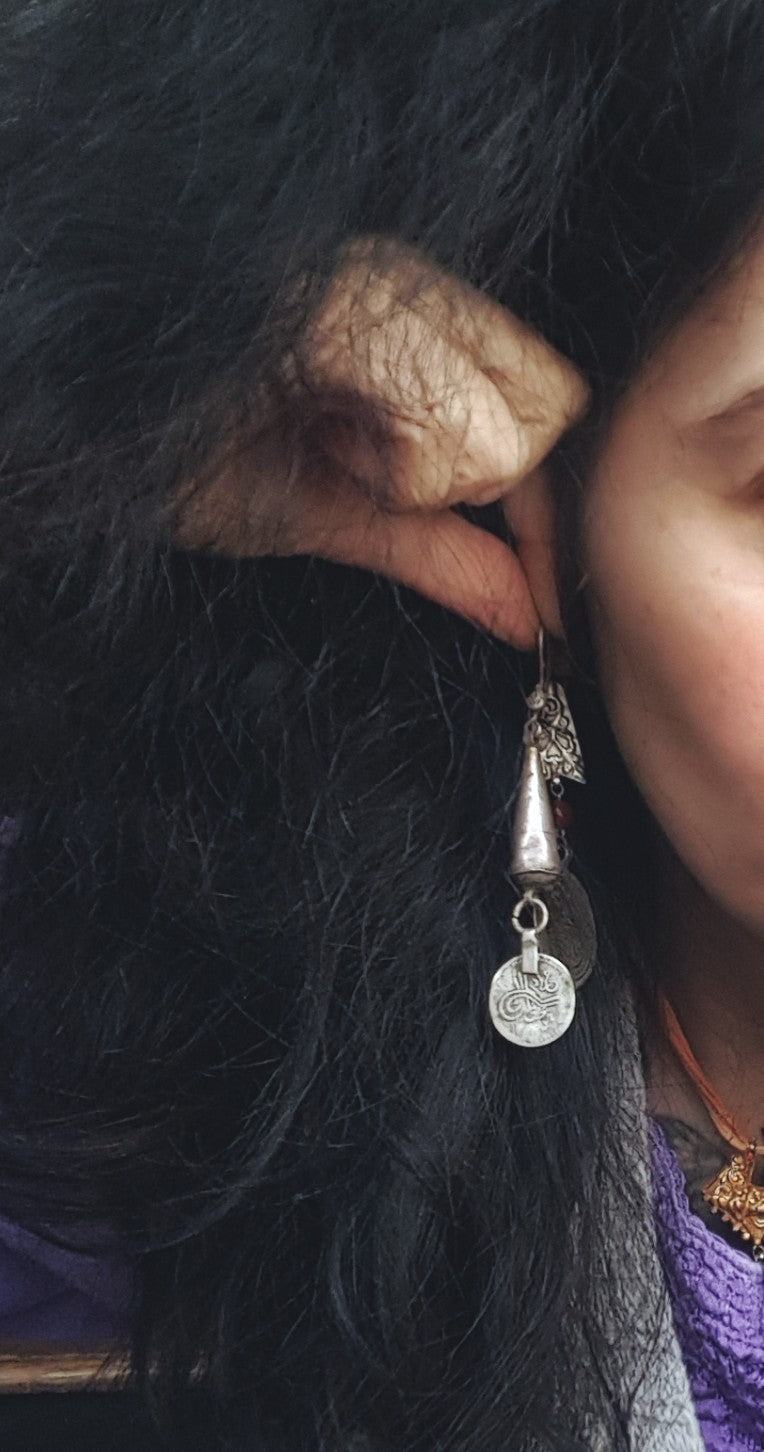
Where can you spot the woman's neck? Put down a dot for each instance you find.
(712, 971)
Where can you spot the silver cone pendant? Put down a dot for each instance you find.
(535, 855)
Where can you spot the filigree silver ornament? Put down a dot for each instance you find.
(550, 725)
(551, 730)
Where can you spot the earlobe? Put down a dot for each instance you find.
(529, 511)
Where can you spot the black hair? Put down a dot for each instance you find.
(258, 884)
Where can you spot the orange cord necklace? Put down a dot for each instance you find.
(732, 1193)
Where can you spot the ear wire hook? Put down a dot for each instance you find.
(543, 659)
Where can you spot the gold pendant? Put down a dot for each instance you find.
(733, 1195)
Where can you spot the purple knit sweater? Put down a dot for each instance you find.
(717, 1295)
(52, 1295)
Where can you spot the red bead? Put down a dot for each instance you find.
(562, 815)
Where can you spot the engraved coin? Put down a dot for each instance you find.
(532, 1009)
(570, 934)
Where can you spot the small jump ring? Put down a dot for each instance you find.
(537, 907)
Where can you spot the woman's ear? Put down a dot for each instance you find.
(529, 511)
(423, 393)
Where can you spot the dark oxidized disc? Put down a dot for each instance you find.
(570, 934)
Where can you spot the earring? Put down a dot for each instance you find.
(532, 997)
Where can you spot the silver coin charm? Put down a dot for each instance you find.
(570, 933)
(532, 1009)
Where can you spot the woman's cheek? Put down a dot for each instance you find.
(677, 610)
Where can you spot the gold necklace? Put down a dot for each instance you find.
(732, 1193)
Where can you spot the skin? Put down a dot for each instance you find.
(674, 531)
(465, 402)
(674, 554)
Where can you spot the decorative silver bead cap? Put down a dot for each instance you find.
(535, 856)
